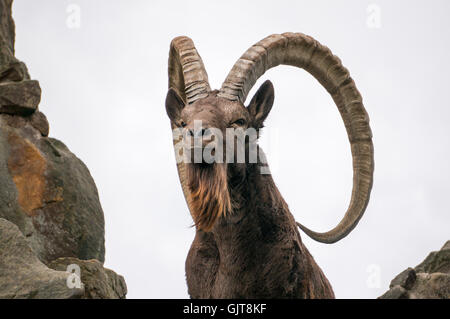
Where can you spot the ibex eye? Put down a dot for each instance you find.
(182, 124)
(239, 122)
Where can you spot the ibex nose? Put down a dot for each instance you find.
(203, 132)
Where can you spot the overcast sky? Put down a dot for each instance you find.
(104, 82)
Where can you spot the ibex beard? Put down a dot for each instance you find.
(209, 198)
(207, 167)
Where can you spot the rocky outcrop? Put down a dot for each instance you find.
(18, 94)
(428, 280)
(99, 282)
(48, 192)
(23, 275)
(45, 189)
(50, 214)
(19, 97)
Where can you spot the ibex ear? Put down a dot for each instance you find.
(174, 105)
(261, 104)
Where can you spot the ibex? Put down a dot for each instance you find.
(247, 244)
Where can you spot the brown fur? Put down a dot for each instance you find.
(256, 250)
(209, 197)
(247, 244)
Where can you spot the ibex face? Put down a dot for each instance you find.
(208, 120)
(206, 123)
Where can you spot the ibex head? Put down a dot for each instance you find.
(191, 100)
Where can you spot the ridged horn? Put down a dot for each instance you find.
(303, 51)
(187, 75)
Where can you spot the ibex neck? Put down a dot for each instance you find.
(258, 240)
(259, 217)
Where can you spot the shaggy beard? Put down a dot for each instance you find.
(209, 198)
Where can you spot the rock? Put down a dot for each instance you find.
(19, 97)
(18, 94)
(437, 261)
(44, 189)
(23, 275)
(99, 282)
(405, 279)
(48, 192)
(429, 280)
(50, 212)
(431, 286)
(11, 69)
(396, 292)
(7, 27)
(39, 121)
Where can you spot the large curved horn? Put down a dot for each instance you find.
(304, 52)
(187, 75)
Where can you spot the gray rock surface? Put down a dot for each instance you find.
(99, 282)
(405, 279)
(429, 280)
(437, 261)
(23, 275)
(18, 94)
(11, 69)
(19, 97)
(48, 192)
(396, 292)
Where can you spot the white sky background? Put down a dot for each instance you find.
(104, 86)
